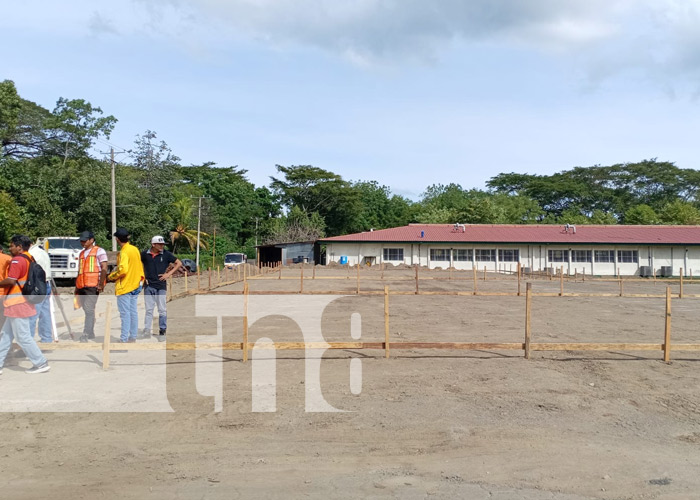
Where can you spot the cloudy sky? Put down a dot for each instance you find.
(405, 92)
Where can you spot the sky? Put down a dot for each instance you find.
(408, 93)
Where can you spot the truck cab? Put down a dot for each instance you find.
(64, 253)
(232, 260)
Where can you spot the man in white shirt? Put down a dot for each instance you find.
(43, 309)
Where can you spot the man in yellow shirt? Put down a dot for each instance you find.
(128, 277)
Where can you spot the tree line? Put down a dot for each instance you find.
(53, 182)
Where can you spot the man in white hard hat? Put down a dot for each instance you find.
(158, 266)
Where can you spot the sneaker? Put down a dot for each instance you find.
(83, 339)
(145, 334)
(161, 338)
(39, 369)
(162, 331)
(131, 341)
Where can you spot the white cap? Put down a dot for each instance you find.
(157, 239)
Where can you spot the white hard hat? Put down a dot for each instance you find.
(157, 239)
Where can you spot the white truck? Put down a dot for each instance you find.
(64, 252)
(232, 260)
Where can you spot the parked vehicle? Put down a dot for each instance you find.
(232, 260)
(189, 265)
(63, 252)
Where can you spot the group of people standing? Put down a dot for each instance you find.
(135, 271)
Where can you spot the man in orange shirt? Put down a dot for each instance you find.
(4, 263)
(17, 309)
(4, 266)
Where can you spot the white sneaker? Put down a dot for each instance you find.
(39, 369)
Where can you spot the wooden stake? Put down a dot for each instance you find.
(218, 274)
(667, 330)
(416, 279)
(386, 322)
(528, 308)
(245, 322)
(655, 276)
(301, 280)
(381, 266)
(680, 278)
(561, 281)
(313, 271)
(484, 273)
(108, 338)
(474, 275)
(450, 272)
(280, 276)
(186, 289)
(518, 279)
(209, 272)
(621, 291)
(245, 273)
(358, 278)
(575, 275)
(198, 286)
(584, 274)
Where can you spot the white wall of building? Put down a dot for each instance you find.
(591, 259)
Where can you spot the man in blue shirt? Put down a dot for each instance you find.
(158, 266)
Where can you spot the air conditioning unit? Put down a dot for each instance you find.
(666, 271)
(646, 271)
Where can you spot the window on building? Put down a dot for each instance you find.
(580, 256)
(627, 256)
(440, 254)
(604, 256)
(393, 254)
(558, 255)
(508, 255)
(483, 255)
(462, 255)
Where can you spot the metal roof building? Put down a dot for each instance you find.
(600, 250)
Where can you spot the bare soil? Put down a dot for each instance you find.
(427, 423)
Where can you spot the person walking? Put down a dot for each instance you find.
(158, 266)
(43, 314)
(17, 309)
(128, 277)
(4, 266)
(92, 276)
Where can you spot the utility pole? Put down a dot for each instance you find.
(199, 223)
(256, 231)
(114, 202)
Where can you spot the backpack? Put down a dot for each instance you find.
(34, 289)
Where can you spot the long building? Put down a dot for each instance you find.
(595, 250)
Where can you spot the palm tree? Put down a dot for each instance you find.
(183, 233)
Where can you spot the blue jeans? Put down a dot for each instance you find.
(43, 315)
(19, 328)
(127, 304)
(154, 297)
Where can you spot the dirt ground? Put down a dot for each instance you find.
(426, 423)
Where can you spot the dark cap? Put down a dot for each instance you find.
(121, 233)
(86, 235)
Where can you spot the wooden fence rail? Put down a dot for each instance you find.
(527, 345)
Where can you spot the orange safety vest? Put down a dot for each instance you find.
(88, 270)
(14, 294)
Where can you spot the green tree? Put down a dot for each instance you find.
(297, 225)
(10, 217)
(313, 189)
(642, 215)
(75, 124)
(679, 213)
